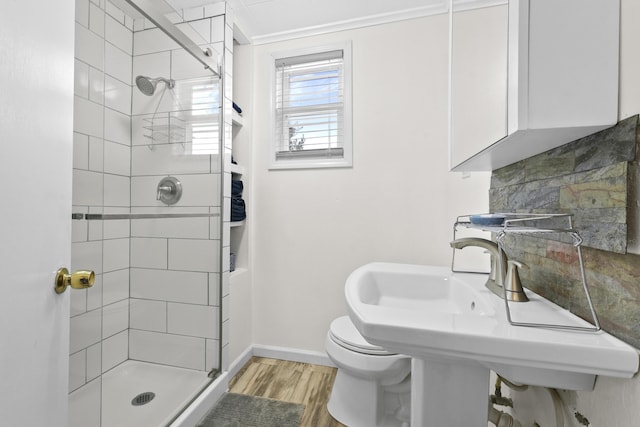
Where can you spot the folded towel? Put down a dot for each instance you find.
(236, 188)
(238, 209)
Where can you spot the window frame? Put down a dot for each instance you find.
(301, 162)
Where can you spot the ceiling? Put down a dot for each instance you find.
(262, 21)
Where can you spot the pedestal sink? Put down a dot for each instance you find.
(456, 332)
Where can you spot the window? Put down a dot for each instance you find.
(312, 109)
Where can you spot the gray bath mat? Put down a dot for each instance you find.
(240, 410)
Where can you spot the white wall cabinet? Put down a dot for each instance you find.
(529, 76)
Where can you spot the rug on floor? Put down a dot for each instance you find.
(241, 410)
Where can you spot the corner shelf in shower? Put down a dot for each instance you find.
(533, 224)
(179, 127)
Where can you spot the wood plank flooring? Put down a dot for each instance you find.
(290, 382)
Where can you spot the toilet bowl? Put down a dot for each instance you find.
(372, 386)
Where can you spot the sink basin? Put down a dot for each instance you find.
(456, 331)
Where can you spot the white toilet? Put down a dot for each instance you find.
(372, 387)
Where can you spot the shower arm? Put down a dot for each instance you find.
(150, 11)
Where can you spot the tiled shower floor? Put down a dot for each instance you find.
(174, 388)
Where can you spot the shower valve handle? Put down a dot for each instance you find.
(164, 189)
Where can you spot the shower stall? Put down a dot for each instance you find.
(152, 145)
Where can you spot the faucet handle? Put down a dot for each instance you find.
(512, 284)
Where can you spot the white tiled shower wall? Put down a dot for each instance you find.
(156, 295)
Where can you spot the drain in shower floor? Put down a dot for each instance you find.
(143, 398)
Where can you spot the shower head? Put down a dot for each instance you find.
(147, 85)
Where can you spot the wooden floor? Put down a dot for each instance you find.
(293, 382)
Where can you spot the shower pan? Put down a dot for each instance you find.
(146, 339)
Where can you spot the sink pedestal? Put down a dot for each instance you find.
(449, 393)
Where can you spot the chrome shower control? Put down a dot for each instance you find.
(169, 190)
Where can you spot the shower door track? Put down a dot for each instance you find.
(90, 217)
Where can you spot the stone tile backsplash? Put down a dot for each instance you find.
(594, 178)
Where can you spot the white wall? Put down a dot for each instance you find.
(397, 203)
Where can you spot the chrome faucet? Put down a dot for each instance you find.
(502, 280)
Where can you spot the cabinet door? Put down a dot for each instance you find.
(478, 79)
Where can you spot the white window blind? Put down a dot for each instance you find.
(310, 106)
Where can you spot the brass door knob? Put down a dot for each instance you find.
(80, 279)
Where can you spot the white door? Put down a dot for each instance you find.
(36, 132)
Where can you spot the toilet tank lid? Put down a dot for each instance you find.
(345, 333)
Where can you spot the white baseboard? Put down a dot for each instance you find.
(210, 396)
(292, 354)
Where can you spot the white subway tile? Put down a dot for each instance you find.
(89, 47)
(116, 254)
(194, 255)
(171, 227)
(217, 29)
(85, 330)
(226, 209)
(228, 37)
(214, 9)
(117, 158)
(115, 318)
(138, 24)
(78, 302)
(116, 190)
(226, 256)
(86, 256)
(117, 95)
(81, 79)
(82, 12)
(151, 41)
(77, 370)
(149, 253)
(225, 310)
(96, 85)
(230, 17)
(154, 104)
(198, 31)
(225, 283)
(148, 315)
(117, 127)
(96, 20)
(212, 355)
(197, 190)
(166, 285)
(87, 117)
(128, 22)
(94, 293)
(152, 65)
(115, 286)
(79, 230)
(214, 286)
(80, 151)
(115, 350)
(193, 320)
(167, 159)
(118, 63)
(174, 350)
(193, 13)
(95, 226)
(119, 35)
(116, 228)
(115, 12)
(96, 154)
(214, 224)
(94, 361)
(184, 66)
